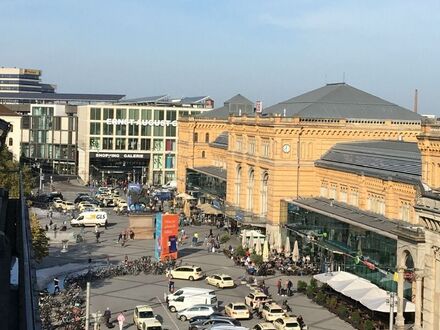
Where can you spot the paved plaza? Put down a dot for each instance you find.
(124, 293)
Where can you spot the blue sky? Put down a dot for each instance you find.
(267, 50)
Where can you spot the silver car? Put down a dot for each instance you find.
(196, 310)
(206, 324)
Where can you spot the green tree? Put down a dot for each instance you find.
(9, 176)
(40, 242)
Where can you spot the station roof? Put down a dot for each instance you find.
(63, 97)
(166, 100)
(341, 101)
(387, 159)
(236, 105)
(221, 141)
(215, 171)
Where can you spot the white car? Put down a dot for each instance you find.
(220, 280)
(87, 206)
(196, 310)
(186, 273)
(272, 311)
(237, 311)
(68, 206)
(264, 326)
(255, 298)
(287, 323)
(144, 318)
(58, 203)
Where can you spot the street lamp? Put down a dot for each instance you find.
(391, 301)
(41, 177)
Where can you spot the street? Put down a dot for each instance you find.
(124, 293)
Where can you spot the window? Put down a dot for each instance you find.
(158, 145)
(108, 114)
(133, 114)
(145, 130)
(120, 144)
(132, 144)
(107, 129)
(95, 114)
(133, 130)
(11, 128)
(264, 199)
(159, 115)
(343, 194)
(354, 197)
(170, 161)
(375, 203)
(121, 114)
(169, 176)
(170, 145)
(145, 144)
(203, 154)
(145, 114)
(158, 130)
(405, 207)
(333, 191)
(238, 185)
(239, 143)
(57, 123)
(95, 143)
(250, 189)
(157, 161)
(95, 128)
(251, 146)
(10, 142)
(121, 129)
(324, 189)
(170, 130)
(25, 122)
(171, 115)
(207, 137)
(265, 148)
(196, 137)
(107, 143)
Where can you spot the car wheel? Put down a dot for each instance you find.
(191, 278)
(218, 285)
(173, 309)
(183, 318)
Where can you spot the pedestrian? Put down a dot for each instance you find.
(289, 288)
(98, 235)
(119, 237)
(50, 223)
(279, 286)
(170, 285)
(121, 320)
(210, 233)
(105, 225)
(96, 228)
(107, 317)
(56, 285)
(131, 234)
(46, 227)
(124, 236)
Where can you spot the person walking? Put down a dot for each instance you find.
(279, 286)
(170, 285)
(289, 288)
(56, 285)
(98, 235)
(119, 237)
(107, 317)
(121, 320)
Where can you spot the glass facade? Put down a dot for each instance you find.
(205, 183)
(334, 244)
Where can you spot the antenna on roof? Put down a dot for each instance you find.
(416, 100)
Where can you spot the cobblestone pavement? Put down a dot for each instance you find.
(124, 293)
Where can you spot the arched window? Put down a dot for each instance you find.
(196, 137)
(203, 154)
(250, 190)
(238, 185)
(264, 184)
(207, 137)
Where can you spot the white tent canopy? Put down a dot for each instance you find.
(254, 233)
(185, 196)
(362, 290)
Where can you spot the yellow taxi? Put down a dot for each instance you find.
(255, 298)
(237, 311)
(272, 311)
(264, 326)
(67, 206)
(287, 323)
(220, 280)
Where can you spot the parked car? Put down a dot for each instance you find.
(205, 317)
(186, 273)
(57, 203)
(205, 324)
(195, 310)
(189, 291)
(255, 298)
(143, 314)
(264, 326)
(220, 280)
(90, 219)
(237, 310)
(83, 206)
(272, 311)
(67, 206)
(42, 201)
(184, 302)
(287, 323)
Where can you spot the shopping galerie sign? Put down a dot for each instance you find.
(141, 122)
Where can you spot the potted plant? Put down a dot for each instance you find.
(301, 286)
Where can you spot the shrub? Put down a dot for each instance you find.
(301, 286)
(368, 325)
(310, 292)
(321, 298)
(239, 251)
(256, 259)
(342, 311)
(224, 238)
(313, 283)
(331, 303)
(355, 318)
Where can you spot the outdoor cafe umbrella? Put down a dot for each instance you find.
(258, 247)
(243, 239)
(287, 247)
(251, 243)
(278, 242)
(295, 253)
(266, 251)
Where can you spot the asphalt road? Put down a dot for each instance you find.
(124, 293)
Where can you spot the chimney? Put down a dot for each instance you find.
(416, 100)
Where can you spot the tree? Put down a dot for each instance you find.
(9, 176)
(40, 242)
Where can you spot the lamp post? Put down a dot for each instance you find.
(38, 165)
(391, 301)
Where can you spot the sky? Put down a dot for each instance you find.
(266, 50)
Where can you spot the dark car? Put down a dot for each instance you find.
(55, 194)
(41, 201)
(205, 317)
(206, 324)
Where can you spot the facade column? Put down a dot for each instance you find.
(400, 321)
(418, 315)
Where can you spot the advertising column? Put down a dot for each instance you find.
(167, 228)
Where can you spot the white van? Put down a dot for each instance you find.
(189, 291)
(90, 219)
(182, 302)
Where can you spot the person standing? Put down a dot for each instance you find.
(170, 285)
(119, 237)
(121, 320)
(98, 235)
(279, 286)
(107, 317)
(289, 288)
(56, 285)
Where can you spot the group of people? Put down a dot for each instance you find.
(107, 319)
(212, 243)
(286, 290)
(124, 235)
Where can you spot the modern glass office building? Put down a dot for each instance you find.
(135, 140)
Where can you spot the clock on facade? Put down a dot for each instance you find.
(286, 148)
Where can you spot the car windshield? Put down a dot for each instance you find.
(276, 310)
(240, 307)
(198, 269)
(291, 325)
(146, 315)
(156, 327)
(227, 278)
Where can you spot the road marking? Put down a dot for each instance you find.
(166, 311)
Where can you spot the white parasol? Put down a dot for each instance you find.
(295, 253)
(266, 251)
(287, 247)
